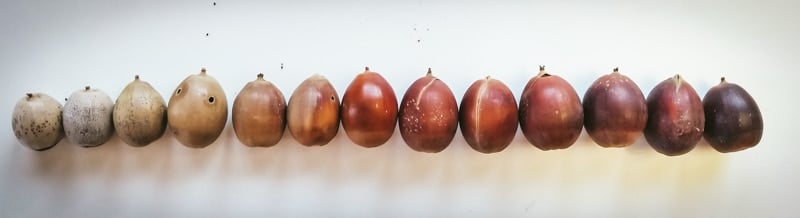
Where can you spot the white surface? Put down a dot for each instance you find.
(59, 47)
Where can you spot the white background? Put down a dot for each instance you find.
(57, 47)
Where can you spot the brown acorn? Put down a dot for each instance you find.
(198, 110)
(550, 112)
(37, 122)
(615, 111)
(675, 119)
(733, 119)
(369, 110)
(428, 116)
(259, 114)
(313, 112)
(140, 114)
(488, 116)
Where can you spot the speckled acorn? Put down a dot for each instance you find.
(259, 114)
(36, 121)
(488, 116)
(313, 113)
(88, 120)
(428, 115)
(675, 119)
(140, 114)
(369, 110)
(615, 111)
(198, 110)
(733, 119)
(550, 112)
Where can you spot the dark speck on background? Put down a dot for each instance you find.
(215, 4)
(281, 66)
(206, 34)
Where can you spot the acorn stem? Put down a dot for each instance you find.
(366, 68)
(616, 70)
(541, 67)
(30, 95)
(136, 77)
(87, 88)
(429, 73)
(722, 80)
(203, 70)
(260, 76)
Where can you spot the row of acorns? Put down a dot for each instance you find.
(614, 111)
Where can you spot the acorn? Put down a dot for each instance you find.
(369, 110)
(198, 110)
(428, 115)
(488, 116)
(615, 111)
(259, 114)
(140, 114)
(675, 119)
(733, 119)
(88, 120)
(313, 114)
(36, 121)
(550, 112)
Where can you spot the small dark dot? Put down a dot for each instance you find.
(178, 92)
(206, 34)
(281, 66)
(215, 3)
(211, 99)
(332, 98)
(418, 40)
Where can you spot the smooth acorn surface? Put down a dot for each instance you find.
(198, 110)
(428, 116)
(259, 114)
(733, 119)
(88, 120)
(140, 114)
(313, 112)
(36, 121)
(488, 116)
(615, 111)
(550, 112)
(369, 110)
(675, 119)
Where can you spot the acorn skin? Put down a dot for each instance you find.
(36, 121)
(259, 114)
(369, 110)
(550, 114)
(733, 119)
(88, 117)
(615, 111)
(140, 114)
(428, 116)
(675, 119)
(488, 116)
(197, 110)
(313, 112)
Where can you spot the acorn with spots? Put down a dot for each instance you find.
(197, 110)
(140, 114)
(428, 115)
(88, 120)
(37, 122)
(733, 119)
(676, 120)
(488, 116)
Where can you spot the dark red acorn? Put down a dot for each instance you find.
(550, 112)
(733, 120)
(428, 115)
(675, 119)
(369, 110)
(488, 116)
(615, 111)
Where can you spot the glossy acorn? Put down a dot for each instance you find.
(550, 112)
(197, 110)
(733, 119)
(675, 119)
(488, 116)
(313, 113)
(259, 114)
(369, 110)
(428, 115)
(615, 110)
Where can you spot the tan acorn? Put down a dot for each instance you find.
(198, 110)
(259, 114)
(140, 114)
